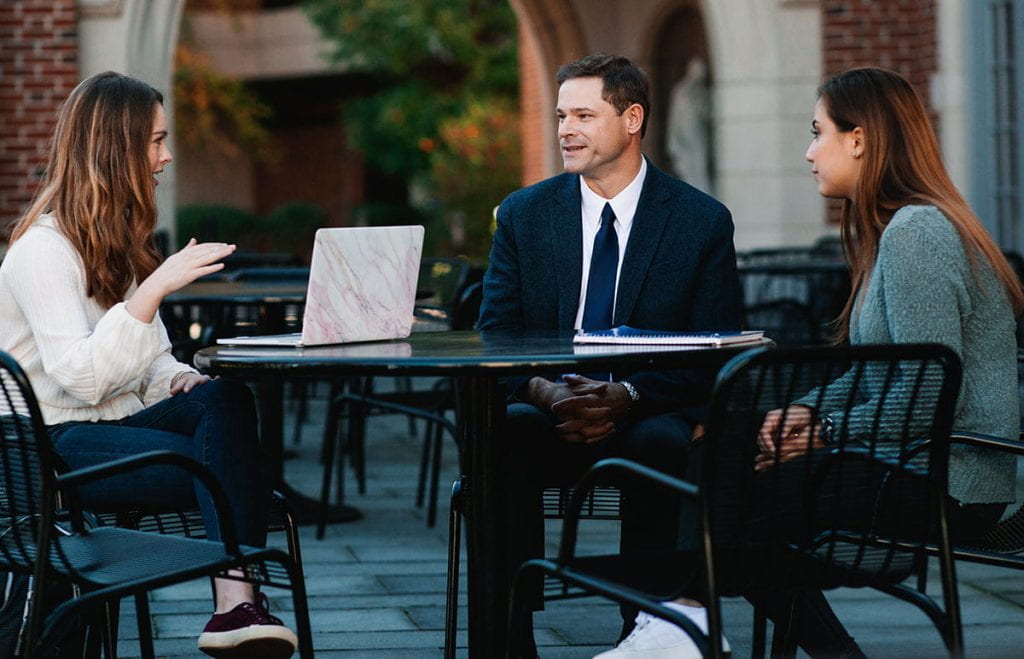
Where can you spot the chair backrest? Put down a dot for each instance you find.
(830, 517)
(440, 282)
(467, 308)
(27, 471)
(793, 297)
(286, 274)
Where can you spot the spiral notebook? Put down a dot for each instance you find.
(626, 335)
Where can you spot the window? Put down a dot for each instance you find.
(995, 102)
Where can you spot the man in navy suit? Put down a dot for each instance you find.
(612, 241)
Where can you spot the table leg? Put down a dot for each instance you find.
(483, 408)
(270, 397)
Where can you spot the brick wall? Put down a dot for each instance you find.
(533, 80)
(896, 34)
(901, 35)
(38, 68)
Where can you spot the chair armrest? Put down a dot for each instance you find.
(73, 479)
(988, 441)
(398, 408)
(567, 546)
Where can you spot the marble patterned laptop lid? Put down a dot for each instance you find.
(362, 284)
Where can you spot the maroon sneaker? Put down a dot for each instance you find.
(248, 630)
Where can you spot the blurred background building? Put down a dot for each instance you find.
(734, 86)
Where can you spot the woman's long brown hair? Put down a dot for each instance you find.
(98, 182)
(902, 165)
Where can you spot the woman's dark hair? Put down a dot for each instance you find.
(902, 164)
(99, 185)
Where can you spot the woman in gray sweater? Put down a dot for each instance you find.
(924, 270)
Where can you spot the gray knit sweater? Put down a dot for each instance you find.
(923, 290)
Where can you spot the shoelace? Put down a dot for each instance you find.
(642, 621)
(260, 611)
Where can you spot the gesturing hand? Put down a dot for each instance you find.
(179, 269)
(184, 267)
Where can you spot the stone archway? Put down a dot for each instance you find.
(682, 74)
(550, 34)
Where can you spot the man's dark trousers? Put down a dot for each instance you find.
(537, 458)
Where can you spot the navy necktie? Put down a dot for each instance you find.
(604, 263)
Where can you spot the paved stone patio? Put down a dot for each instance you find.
(376, 587)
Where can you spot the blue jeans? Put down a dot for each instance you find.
(215, 424)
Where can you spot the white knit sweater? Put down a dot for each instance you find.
(85, 363)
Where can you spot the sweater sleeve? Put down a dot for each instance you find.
(156, 382)
(922, 268)
(91, 364)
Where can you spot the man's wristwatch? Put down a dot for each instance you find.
(634, 395)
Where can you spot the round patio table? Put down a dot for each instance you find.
(477, 361)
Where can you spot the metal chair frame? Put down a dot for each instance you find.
(105, 562)
(856, 557)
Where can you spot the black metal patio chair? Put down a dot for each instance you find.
(866, 511)
(793, 294)
(106, 563)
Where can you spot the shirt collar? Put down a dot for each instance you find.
(624, 204)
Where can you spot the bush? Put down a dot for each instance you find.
(290, 228)
(217, 222)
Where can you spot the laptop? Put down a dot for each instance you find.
(362, 287)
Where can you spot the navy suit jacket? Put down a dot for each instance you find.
(678, 273)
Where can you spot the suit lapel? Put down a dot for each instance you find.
(648, 224)
(565, 222)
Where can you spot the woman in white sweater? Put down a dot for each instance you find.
(80, 288)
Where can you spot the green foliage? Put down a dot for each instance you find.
(381, 214)
(290, 227)
(394, 130)
(450, 43)
(478, 165)
(443, 68)
(217, 222)
(216, 113)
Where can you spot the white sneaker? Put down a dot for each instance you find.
(654, 638)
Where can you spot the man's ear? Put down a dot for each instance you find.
(634, 115)
(856, 142)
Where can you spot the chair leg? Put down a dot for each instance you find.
(421, 483)
(301, 409)
(357, 442)
(451, 615)
(330, 442)
(404, 384)
(145, 624)
(111, 620)
(784, 638)
(300, 606)
(922, 577)
(294, 548)
(435, 475)
(760, 633)
(337, 388)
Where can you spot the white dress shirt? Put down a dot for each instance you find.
(624, 204)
